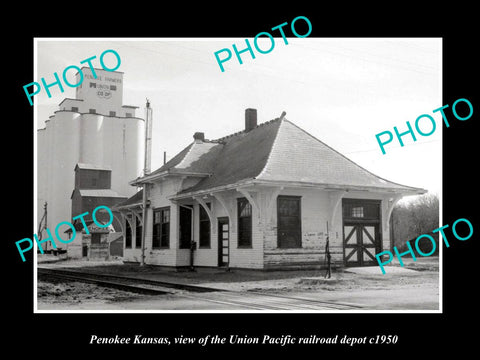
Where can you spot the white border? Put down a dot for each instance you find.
(37, 311)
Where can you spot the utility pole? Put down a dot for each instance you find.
(43, 224)
(146, 171)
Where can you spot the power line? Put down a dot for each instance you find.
(429, 71)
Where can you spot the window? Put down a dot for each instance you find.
(128, 114)
(128, 234)
(244, 213)
(94, 181)
(93, 85)
(138, 234)
(357, 212)
(96, 238)
(289, 227)
(361, 209)
(161, 228)
(74, 108)
(204, 221)
(113, 87)
(185, 228)
(113, 113)
(92, 111)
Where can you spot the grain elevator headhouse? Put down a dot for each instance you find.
(94, 130)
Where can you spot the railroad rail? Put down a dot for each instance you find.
(126, 282)
(255, 300)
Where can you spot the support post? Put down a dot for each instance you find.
(228, 210)
(335, 200)
(388, 213)
(271, 202)
(250, 199)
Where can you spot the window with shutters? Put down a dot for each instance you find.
(289, 222)
(244, 212)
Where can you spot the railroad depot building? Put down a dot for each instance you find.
(260, 198)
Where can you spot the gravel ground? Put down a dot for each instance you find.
(398, 288)
(54, 292)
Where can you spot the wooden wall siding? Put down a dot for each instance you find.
(315, 214)
(92, 179)
(317, 207)
(157, 195)
(248, 257)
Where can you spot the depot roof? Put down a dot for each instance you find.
(276, 152)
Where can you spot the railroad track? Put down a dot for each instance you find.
(238, 300)
(118, 281)
(264, 301)
(94, 279)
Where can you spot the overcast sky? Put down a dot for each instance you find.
(342, 91)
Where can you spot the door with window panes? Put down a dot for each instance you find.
(362, 238)
(223, 241)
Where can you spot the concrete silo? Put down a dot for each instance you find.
(94, 129)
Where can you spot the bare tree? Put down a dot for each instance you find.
(414, 218)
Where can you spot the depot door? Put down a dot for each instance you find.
(362, 238)
(223, 241)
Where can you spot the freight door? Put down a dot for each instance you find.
(362, 238)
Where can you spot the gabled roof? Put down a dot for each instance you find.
(275, 152)
(85, 166)
(241, 156)
(198, 157)
(107, 193)
(297, 156)
(134, 200)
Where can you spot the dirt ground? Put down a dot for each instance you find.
(73, 293)
(414, 287)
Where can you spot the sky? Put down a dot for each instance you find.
(342, 91)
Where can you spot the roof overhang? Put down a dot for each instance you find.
(69, 99)
(151, 178)
(130, 206)
(404, 191)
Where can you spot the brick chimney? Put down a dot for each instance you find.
(250, 119)
(199, 137)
